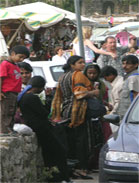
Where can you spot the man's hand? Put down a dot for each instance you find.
(113, 55)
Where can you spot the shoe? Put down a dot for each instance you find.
(82, 174)
(86, 177)
(75, 175)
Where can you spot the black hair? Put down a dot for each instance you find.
(107, 71)
(71, 61)
(92, 66)
(20, 49)
(37, 82)
(26, 66)
(130, 59)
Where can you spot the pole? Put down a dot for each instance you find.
(15, 34)
(79, 26)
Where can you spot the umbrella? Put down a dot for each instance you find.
(40, 14)
(5, 15)
(127, 26)
(34, 15)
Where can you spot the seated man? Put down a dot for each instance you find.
(36, 117)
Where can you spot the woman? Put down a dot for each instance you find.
(36, 117)
(70, 103)
(59, 55)
(89, 47)
(98, 132)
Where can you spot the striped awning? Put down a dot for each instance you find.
(35, 16)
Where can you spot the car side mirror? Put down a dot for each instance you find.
(112, 118)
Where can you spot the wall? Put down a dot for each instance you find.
(20, 159)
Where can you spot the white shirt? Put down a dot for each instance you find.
(57, 58)
(117, 86)
(89, 54)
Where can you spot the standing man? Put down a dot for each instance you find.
(104, 60)
(131, 83)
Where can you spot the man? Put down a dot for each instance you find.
(131, 83)
(104, 60)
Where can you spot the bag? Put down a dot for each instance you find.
(22, 129)
(95, 108)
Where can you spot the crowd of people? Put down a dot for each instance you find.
(110, 82)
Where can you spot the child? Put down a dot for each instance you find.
(10, 82)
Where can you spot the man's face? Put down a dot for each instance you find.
(25, 75)
(133, 42)
(128, 67)
(111, 44)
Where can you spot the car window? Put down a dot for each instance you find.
(56, 71)
(134, 113)
(38, 71)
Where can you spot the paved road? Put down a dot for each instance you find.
(94, 180)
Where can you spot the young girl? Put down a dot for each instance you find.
(89, 47)
(98, 132)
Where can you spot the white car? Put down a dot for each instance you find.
(50, 70)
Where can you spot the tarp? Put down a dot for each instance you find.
(39, 14)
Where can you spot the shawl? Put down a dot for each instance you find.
(80, 86)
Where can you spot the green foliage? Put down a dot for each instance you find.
(130, 1)
(68, 5)
(64, 4)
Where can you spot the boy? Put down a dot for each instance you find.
(10, 82)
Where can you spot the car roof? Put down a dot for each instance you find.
(46, 63)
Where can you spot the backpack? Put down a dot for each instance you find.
(95, 108)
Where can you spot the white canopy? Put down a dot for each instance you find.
(126, 26)
(39, 14)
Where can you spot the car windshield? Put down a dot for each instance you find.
(134, 114)
(56, 71)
